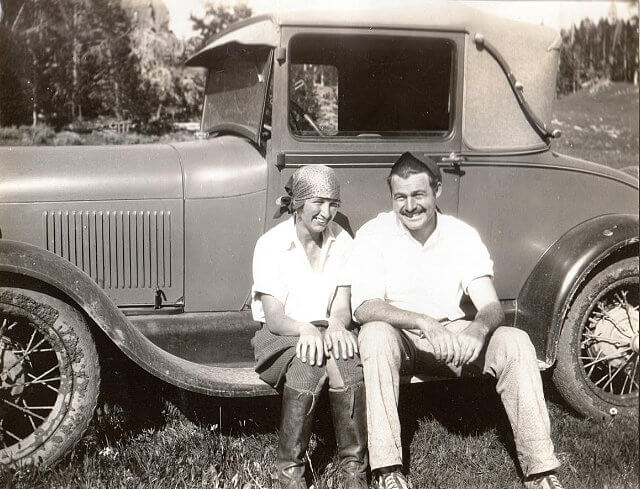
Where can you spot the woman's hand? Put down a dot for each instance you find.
(339, 341)
(310, 345)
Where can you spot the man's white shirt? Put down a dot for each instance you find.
(388, 263)
(281, 269)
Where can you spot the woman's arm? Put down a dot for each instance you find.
(338, 337)
(310, 345)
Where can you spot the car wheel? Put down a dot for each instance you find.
(49, 375)
(597, 357)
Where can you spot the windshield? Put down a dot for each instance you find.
(235, 91)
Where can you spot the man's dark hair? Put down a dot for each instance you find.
(409, 164)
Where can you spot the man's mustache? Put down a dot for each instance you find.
(417, 210)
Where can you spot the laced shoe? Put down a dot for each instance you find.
(391, 480)
(543, 481)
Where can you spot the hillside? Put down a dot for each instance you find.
(600, 125)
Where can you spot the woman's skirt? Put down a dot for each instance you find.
(274, 353)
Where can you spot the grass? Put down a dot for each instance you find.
(43, 135)
(149, 435)
(601, 126)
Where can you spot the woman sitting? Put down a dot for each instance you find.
(301, 295)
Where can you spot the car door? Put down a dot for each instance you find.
(355, 100)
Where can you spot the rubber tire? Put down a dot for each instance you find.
(567, 374)
(71, 328)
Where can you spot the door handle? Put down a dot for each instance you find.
(453, 161)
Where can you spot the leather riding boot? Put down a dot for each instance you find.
(348, 409)
(296, 422)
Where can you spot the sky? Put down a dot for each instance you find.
(553, 13)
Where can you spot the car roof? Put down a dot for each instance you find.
(492, 118)
(437, 15)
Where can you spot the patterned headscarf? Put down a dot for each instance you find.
(308, 182)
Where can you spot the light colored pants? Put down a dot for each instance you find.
(509, 356)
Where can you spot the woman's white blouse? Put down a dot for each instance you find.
(281, 269)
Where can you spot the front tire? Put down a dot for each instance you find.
(50, 377)
(597, 357)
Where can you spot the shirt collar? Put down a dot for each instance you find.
(401, 230)
(291, 237)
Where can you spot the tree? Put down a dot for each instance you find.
(216, 18)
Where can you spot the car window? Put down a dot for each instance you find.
(361, 85)
(235, 91)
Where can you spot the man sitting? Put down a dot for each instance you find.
(411, 267)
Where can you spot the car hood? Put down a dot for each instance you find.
(89, 173)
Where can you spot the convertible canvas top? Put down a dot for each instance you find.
(492, 118)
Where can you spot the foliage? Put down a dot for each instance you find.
(216, 18)
(590, 52)
(62, 61)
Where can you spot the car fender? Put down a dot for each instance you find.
(544, 300)
(30, 261)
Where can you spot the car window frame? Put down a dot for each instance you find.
(406, 33)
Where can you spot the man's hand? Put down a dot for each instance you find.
(339, 341)
(310, 345)
(471, 340)
(446, 347)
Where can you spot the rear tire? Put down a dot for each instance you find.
(50, 377)
(597, 357)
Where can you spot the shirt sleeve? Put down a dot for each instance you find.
(267, 278)
(366, 268)
(475, 260)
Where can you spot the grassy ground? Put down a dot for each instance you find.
(601, 126)
(149, 435)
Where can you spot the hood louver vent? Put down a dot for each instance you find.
(117, 249)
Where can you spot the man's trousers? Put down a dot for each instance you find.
(509, 356)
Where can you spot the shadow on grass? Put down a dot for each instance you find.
(467, 407)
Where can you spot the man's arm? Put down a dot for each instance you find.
(489, 316)
(445, 344)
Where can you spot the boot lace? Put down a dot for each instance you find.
(395, 480)
(555, 483)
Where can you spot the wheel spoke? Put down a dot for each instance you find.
(24, 410)
(33, 425)
(633, 375)
(16, 438)
(605, 339)
(33, 335)
(25, 356)
(33, 382)
(608, 357)
(611, 377)
(44, 382)
(39, 377)
(607, 317)
(624, 386)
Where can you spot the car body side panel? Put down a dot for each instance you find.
(545, 297)
(521, 206)
(128, 248)
(225, 191)
(221, 235)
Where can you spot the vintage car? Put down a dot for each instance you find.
(149, 247)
